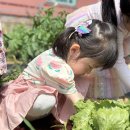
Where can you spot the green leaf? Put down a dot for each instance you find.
(28, 124)
(26, 42)
(101, 115)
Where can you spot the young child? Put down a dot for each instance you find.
(76, 52)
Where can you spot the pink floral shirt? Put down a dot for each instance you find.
(48, 69)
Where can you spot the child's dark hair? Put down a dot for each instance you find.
(109, 11)
(100, 44)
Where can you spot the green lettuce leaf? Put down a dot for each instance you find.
(101, 115)
(114, 118)
(82, 120)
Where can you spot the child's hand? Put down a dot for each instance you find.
(75, 97)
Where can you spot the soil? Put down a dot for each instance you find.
(45, 123)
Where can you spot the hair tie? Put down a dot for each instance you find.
(82, 28)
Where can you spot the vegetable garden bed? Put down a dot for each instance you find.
(90, 115)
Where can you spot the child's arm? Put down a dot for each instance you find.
(75, 97)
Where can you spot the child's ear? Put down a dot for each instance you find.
(74, 51)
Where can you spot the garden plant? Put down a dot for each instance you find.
(24, 43)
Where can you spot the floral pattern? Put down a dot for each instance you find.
(54, 66)
(49, 69)
(3, 65)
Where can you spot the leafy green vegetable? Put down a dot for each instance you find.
(83, 119)
(83, 105)
(114, 118)
(101, 115)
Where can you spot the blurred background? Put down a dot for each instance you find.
(13, 12)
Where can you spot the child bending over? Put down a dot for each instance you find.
(75, 53)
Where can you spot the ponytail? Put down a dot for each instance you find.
(63, 43)
(109, 12)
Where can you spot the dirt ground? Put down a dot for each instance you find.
(41, 124)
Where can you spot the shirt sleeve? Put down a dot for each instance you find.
(84, 13)
(60, 76)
